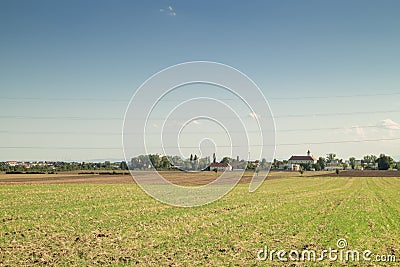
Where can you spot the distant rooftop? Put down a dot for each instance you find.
(302, 158)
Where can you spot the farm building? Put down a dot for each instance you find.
(12, 163)
(295, 161)
(221, 166)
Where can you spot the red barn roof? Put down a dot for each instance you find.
(311, 158)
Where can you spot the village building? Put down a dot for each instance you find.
(295, 161)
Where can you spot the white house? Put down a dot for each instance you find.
(295, 161)
(12, 163)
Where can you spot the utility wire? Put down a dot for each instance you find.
(59, 118)
(186, 132)
(179, 100)
(283, 144)
(225, 118)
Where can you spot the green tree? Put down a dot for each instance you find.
(264, 164)
(275, 164)
(4, 167)
(226, 160)
(123, 165)
(306, 166)
(155, 160)
(366, 161)
(165, 163)
(107, 165)
(369, 161)
(384, 162)
(250, 166)
(330, 157)
(352, 161)
(140, 162)
(301, 170)
(374, 158)
(316, 167)
(345, 166)
(321, 162)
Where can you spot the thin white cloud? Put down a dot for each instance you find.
(169, 11)
(391, 125)
(384, 129)
(360, 131)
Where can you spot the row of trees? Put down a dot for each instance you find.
(193, 163)
(383, 162)
(62, 167)
(158, 162)
(368, 162)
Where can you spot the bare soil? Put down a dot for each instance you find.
(364, 173)
(179, 178)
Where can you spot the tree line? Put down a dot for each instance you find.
(368, 162)
(195, 163)
(62, 167)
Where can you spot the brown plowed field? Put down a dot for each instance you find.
(180, 178)
(365, 173)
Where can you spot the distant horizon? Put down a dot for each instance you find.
(395, 158)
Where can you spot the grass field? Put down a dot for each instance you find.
(118, 224)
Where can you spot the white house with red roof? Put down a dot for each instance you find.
(295, 161)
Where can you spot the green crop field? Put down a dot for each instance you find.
(97, 224)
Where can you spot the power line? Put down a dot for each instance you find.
(340, 142)
(225, 118)
(228, 146)
(60, 148)
(59, 118)
(332, 128)
(180, 100)
(334, 96)
(187, 132)
(335, 114)
(59, 133)
(66, 99)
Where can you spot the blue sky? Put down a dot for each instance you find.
(70, 67)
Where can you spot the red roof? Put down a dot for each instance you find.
(302, 158)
